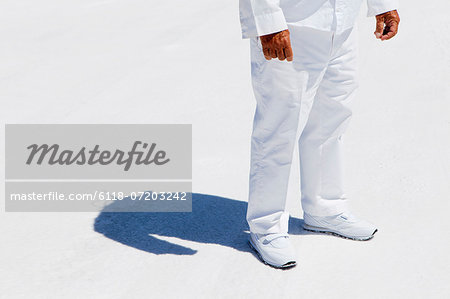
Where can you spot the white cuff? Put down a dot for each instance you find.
(377, 7)
(270, 23)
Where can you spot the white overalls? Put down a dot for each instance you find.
(305, 101)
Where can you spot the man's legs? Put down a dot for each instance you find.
(320, 142)
(323, 197)
(284, 93)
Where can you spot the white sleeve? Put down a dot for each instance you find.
(261, 17)
(377, 7)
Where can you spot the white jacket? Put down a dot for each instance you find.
(260, 17)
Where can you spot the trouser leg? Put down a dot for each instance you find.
(320, 143)
(284, 93)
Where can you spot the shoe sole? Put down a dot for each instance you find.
(288, 265)
(335, 233)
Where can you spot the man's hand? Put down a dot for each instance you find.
(277, 45)
(387, 25)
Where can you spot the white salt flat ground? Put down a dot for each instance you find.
(136, 61)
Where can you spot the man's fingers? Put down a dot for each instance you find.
(379, 28)
(277, 45)
(281, 54)
(391, 31)
(387, 25)
(388, 36)
(273, 53)
(266, 52)
(288, 53)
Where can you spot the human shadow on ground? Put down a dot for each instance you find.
(213, 220)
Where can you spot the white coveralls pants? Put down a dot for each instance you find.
(304, 101)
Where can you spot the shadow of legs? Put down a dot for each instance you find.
(214, 219)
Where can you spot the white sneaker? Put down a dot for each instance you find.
(275, 250)
(345, 225)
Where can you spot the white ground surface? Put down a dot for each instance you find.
(136, 61)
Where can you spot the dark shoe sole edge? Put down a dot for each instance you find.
(287, 266)
(339, 235)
